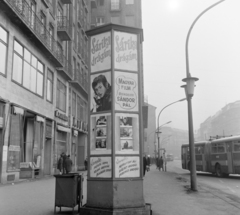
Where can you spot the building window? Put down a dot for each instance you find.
(28, 71)
(100, 2)
(3, 50)
(61, 96)
(129, 1)
(74, 104)
(51, 36)
(43, 21)
(32, 14)
(129, 20)
(115, 5)
(115, 19)
(99, 21)
(50, 86)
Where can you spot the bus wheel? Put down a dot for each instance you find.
(225, 175)
(218, 170)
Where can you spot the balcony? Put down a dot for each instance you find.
(80, 84)
(26, 19)
(67, 1)
(63, 28)
(66, 69)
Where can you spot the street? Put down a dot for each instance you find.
(230, 185)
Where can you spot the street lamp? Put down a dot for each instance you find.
(189, 91)
(158, 132)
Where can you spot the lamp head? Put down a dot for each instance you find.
(189, 87)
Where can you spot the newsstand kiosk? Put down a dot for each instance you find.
(115, 176)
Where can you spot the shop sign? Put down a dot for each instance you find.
(126, 91)
(14, 148)
(61, 115)
(100, 167)
(127, 167)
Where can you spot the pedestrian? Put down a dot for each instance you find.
(86, 163)
(160, 164)
(64, 156)
(60, 165)
(144, 164)
(68, 164)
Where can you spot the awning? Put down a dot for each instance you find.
(40, 119)
(18, 110)
(62, 128)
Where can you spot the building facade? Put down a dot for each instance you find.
(226, 122)
(43, 85)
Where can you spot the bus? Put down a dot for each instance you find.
(219, 156)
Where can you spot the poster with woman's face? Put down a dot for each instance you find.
(101, 92)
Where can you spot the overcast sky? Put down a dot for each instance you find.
(214, 57)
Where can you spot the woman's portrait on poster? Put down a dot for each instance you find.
(102, 94)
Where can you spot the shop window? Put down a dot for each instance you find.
(99, 21)
(50, 86)
(237, 146)
(61, 96)
(3, 48)
(28, 71)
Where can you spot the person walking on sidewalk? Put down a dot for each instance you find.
(160, 164)
(60, 164)
(68, 164)
(144, 164)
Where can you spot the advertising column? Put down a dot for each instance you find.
(115, 182)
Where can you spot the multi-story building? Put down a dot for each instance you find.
(43, 85)
(225, 122)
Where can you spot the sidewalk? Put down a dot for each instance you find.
(169, 194)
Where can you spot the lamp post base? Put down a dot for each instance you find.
(122, 211)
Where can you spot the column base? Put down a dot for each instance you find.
(122, 211)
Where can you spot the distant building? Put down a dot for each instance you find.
(225, 122)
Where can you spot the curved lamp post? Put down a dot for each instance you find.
(158, 128)
(189, 90)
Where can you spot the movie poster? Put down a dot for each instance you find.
(100, 167)
(100, 134)
(101, 92)
(100, 52)
(126, 167)
(125, 51)
(126, 133)
(126, 91)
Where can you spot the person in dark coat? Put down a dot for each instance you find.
(60, 164)
(68, 164)
(160, 164)
(144, 164)
(86, 164)
(64, 156)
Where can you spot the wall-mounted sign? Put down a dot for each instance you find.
(126, 91)
(126, 167)
(61, 116)
(125, 51)
(100, 52)
(100, 167)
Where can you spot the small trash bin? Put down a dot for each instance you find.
(68, 191)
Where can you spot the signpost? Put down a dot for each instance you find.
(115, 176)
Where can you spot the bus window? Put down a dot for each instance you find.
(198, 150)
(214, 148)
(229, 146)
(221, 148)
(237, 146)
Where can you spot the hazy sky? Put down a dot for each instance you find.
(214, 57)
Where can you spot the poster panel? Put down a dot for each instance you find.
(125, 51)
(101, 92)
(100, 51)
(100, 134)
(126, 91)
(126, 133)
(126, 167)
(100, 167)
